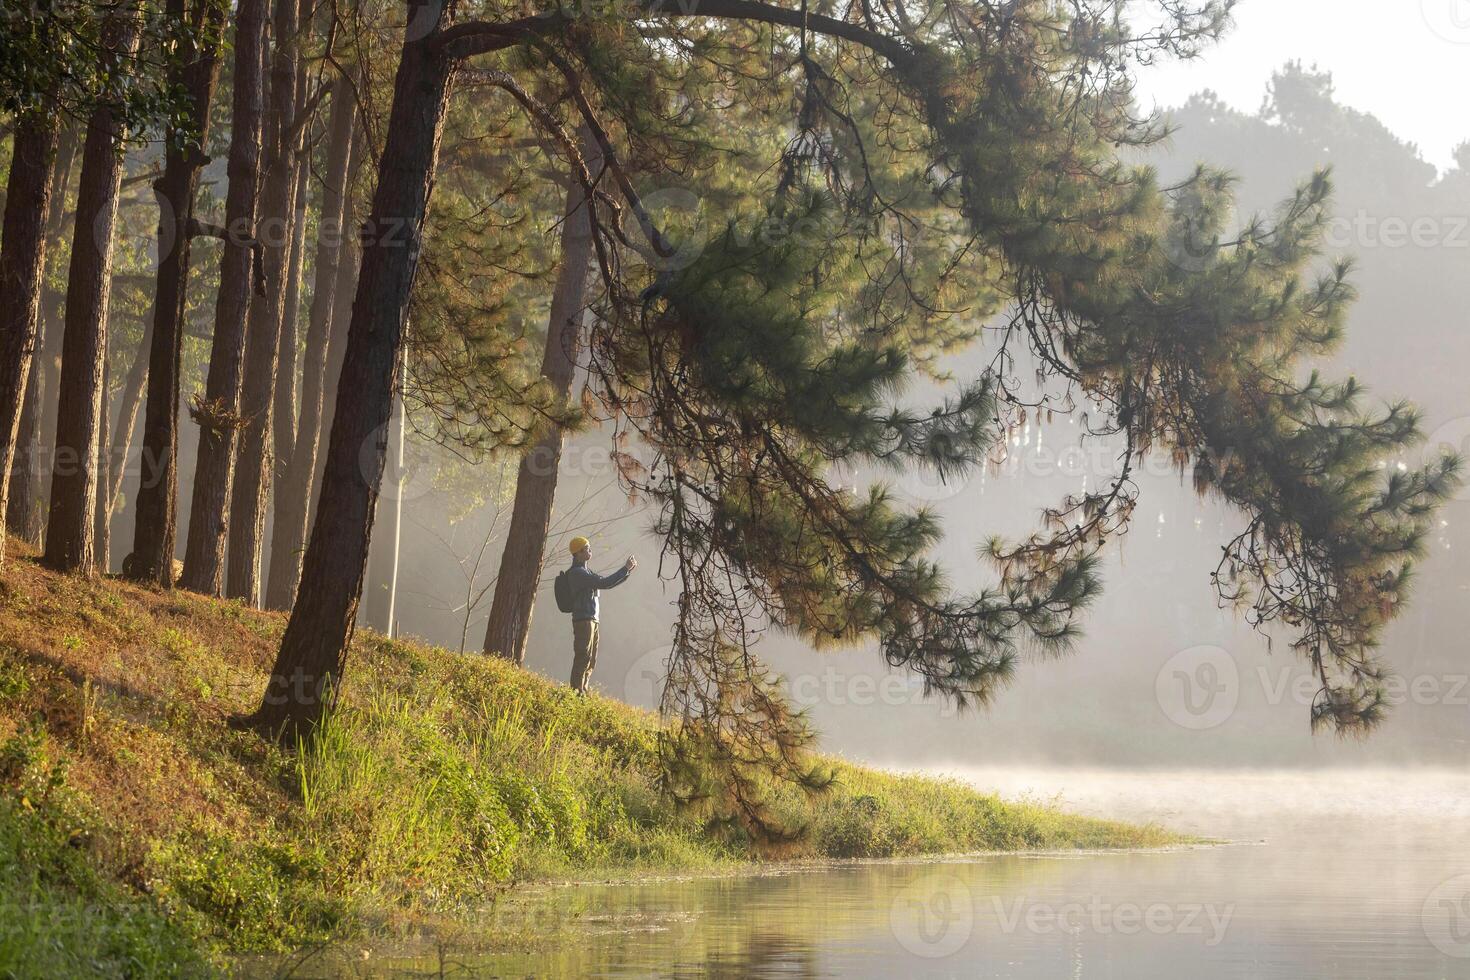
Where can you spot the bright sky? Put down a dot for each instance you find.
(1405, 61)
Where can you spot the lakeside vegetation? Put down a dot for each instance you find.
(141, 835)
(776, 260)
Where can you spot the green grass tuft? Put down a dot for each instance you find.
(60, 915)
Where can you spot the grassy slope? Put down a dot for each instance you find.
(136, 826)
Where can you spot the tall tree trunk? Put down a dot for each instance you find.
(254, 466)
(129, 400)
(70, 541)
(381, 601)
(26, 513)
(22, 510)
(293, 497)
(218, 413)
(31, 516)
(530, 518)
(310, 661)
(101, 512)
(345, 291)
(196, 72)
(22, 262)
(284, 430)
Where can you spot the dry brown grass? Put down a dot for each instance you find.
(136, 684)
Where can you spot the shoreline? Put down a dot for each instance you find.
(777, 868)
(442, 783)
(484, 933)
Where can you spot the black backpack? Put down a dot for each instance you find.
(562, 587)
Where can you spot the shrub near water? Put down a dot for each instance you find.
(440, 780)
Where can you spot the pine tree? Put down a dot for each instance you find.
(250, 489)
(22, 263)
(293, 494)
(81, 417)
(218, 411)
(196, 74)
(25, 516)
(750, 367)
(336, 555)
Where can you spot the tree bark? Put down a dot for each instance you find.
(313, 650)
(254, 464)
(530, 519)
(293, 496)
(22, 262)
(70, 537)
(130, 399)
(284, 429)
(345, 292)
(155, 529)
(380, 602)
(218, 415)
(101, 514)
(26, 514)
(23, 511)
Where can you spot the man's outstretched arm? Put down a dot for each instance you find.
(616, 578)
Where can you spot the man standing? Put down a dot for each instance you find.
(584, 585)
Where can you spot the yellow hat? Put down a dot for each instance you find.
(578, 543)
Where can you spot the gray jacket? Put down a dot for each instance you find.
(585, 584)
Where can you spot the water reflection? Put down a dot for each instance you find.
(1338, 875)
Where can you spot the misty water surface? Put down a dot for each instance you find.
(1339, 874)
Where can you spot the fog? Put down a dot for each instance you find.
(1397, 61)
(1162, 677)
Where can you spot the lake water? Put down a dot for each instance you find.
(1342, 875)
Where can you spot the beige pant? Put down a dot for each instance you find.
(584, 652)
